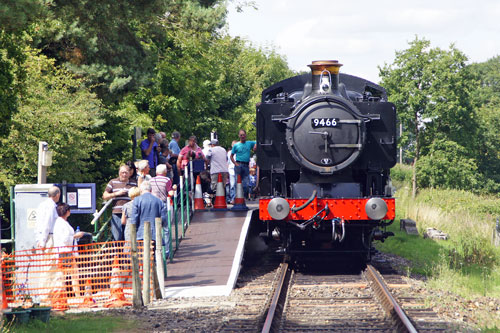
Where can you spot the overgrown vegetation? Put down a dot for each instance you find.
(469, 219)
(467, 264)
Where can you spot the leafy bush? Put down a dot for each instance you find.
(469, 250)
(401, 173)
(447, 166)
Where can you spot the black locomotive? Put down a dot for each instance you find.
(325, 146)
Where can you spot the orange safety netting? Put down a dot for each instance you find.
(83, 276)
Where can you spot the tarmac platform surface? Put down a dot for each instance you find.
(208, 260)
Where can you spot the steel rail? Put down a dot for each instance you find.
(284, 272)
(390, 305)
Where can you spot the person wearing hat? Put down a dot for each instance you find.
(206, 147)
(218, 164)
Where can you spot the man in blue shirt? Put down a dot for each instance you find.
(147, 207)
(174, 148)
(149, 149)
(242, 150)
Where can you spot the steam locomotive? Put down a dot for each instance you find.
(325, 144)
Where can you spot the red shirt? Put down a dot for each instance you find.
(186, 151)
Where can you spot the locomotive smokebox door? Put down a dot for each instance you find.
(326, 132)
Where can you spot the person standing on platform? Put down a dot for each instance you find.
(192, 150)
(143, 172)
(161, 184)
(46, 216)
(242, 151)
(117, 190)
(218, 164)
(149, 149)
(175, 150)
(146, 208)
(206, 147)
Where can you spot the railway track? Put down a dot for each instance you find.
(361, 301)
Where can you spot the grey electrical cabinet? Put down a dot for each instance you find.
(27, 199)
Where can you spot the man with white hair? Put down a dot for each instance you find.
(146, 208)
(143, 172)
(46, 216)
(161, 184)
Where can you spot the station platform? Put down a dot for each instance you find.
(208, 260)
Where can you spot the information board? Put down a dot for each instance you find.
(80, 197)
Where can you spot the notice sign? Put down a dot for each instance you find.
(80, 197)
(31, 213)
(72, 201)
(84, 198)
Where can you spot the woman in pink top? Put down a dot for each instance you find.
(191, 150)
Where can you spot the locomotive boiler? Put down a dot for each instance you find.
(325, 144)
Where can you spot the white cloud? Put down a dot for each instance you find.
(363, 34)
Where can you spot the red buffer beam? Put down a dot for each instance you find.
(347, 209)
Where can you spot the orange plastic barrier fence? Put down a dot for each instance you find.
(83, 276)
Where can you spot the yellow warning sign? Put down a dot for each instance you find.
(31, 213)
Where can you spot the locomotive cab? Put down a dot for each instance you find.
(325, 145)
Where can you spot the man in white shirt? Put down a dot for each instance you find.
(46, 216)
(218, 164)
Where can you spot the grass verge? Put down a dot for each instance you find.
(75, 323)
(468, 264)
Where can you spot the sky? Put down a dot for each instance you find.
(365, 34)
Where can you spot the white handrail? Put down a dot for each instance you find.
(97, 215)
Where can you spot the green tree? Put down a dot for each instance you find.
(488, 98)
(446, 165)
(208, 82)
(432, 91)
(58, 108)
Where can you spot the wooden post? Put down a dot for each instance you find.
(160, 264)
(146, 264)
(136, 280)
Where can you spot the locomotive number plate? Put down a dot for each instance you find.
(324, 122)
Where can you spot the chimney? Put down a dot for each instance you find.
(325, 76)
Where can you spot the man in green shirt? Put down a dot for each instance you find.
(240, 156)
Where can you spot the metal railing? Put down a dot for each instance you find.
(179, 215)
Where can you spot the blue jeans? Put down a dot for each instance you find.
(230, 188)
(117, 229)
(244, 172)
(166, 240)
